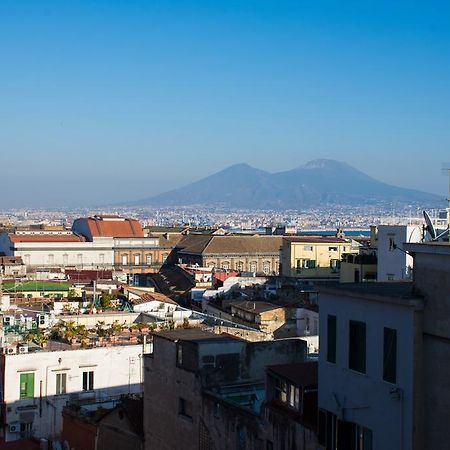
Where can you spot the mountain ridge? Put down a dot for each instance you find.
(316, 182)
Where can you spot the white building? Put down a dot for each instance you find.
(370, 382)
(35, 386)
(58, 250)
(394, 263)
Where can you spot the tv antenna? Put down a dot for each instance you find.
(435, 236)
(446, 171)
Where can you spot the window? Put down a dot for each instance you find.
(51, 259)
(26, 385)
(266, 267)
(102, 258)
(353, 436)
(79, 258)
(61, 381)
(357, 346)
(65, 259)
(240, 266)
(308, 248)
(294, 397)
(124, 260)
(27, 260)
(241, 437)
(305, 264)
(331, 339)
(179, 354)
(184, 408)
(327, 429)
(253, 266)
(332, 249)
(225, 265)
(281, 390)
(137, 260)
(88, 381)
(391, 277)
(335, 265)
(390, 355)
(149, 259)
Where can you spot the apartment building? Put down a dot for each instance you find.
(370, 367)
(314, 256)
(210, 388)
(37, 383)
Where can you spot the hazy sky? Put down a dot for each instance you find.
(104, 101)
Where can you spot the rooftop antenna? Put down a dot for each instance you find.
(446, 171)
(431, 230)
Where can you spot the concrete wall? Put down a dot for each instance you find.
(165, 384)
(307, 322)
(393, 263)
(366, 399)
(115, 432)
(90, 320)
(432, 279)
(97, 254)
(164, 428)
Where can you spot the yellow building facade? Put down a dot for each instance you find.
(314, 256)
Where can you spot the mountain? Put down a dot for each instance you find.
(317, 182)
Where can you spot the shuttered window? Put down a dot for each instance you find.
(26, 385)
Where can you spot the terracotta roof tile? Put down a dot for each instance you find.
(113, 226)
(234, 244)
(45, 238)
(317, 239)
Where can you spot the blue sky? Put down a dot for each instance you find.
(104, 101)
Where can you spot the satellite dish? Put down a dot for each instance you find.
(430, 228)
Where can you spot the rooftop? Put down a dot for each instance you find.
(317, 239)
(16, 238)
(153, 296)
(300, 374)
(254, 306)
(111, 226)
(191, 334)
(230, 244)
(383, 291)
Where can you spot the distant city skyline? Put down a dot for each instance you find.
(115, 101)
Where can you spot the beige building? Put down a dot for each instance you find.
(314, 256)
(258, 254)
(357, 268)
(265, 317)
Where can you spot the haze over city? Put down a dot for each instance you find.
(115, 101)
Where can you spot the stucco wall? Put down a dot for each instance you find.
(366, 399)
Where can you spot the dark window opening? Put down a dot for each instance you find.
(331, 339)
(357, 346)
(390, 355)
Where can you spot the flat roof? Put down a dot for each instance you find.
(400, 292)
(300, 374)
(435, 247)
(254, 306)
(192, 334)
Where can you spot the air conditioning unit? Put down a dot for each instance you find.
(22, 348)
(8, 321)
(11, 350)
(14, 427)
